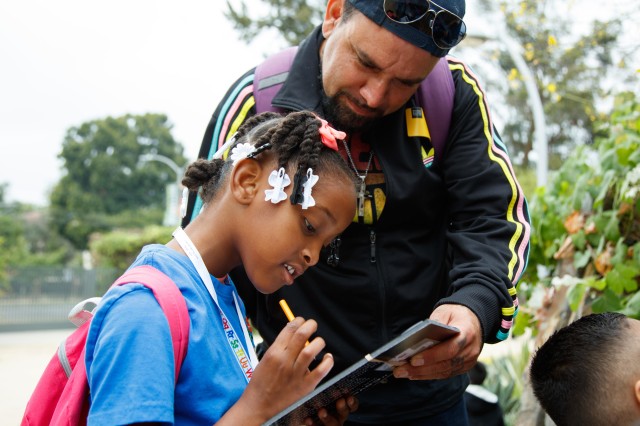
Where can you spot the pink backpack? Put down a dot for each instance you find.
(61, 396)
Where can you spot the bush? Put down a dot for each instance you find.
(119, 248)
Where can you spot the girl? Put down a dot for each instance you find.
(282, 194)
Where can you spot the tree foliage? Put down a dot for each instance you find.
(570, 71)
(292, 19)
(119, 248)
(586, 233)
(105, 185)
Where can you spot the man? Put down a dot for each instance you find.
(588, 373)
(442, 236)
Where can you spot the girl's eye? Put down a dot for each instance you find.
(308, 226)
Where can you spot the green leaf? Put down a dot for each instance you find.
(619, 281)
(598, 284)
(607, 302)
(581, 259)
(521, 323)
(611, 230)
(632, 308)
(579, 239)
(620, 253)
(575, 295)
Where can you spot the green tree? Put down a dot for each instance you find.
(105, 186)
(292, 19)
(13, 246)
(118, 249)
(570, 71)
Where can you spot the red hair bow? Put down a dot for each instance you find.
(328, 135)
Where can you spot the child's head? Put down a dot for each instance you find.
(292, 194)
(588, 373)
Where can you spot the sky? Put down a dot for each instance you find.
(70, 61)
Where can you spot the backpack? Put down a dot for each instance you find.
(438, 89)
(61, 396)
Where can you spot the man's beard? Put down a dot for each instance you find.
(342, 117)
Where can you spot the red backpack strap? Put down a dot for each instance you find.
(269, 77)
(435, 95)
(172, 303)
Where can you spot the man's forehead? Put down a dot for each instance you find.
(381, 49)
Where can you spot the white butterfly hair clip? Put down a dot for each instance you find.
(278, 180)
(240, 151)
(307, 199)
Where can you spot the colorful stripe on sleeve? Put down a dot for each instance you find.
(233, 111)
(517, 211)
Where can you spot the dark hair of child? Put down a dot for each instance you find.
(294, 139)
(575, 368)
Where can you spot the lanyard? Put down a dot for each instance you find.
(247, 364)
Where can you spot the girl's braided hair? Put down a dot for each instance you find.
(293, 139)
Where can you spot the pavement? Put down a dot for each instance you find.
(23, 357)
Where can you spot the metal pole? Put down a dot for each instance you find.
(500, 34)
(171, 217)
(539, 122)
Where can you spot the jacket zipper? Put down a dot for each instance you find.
(372, 239)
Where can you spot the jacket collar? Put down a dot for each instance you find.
(302, 90)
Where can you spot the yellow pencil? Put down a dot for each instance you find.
(287, 311)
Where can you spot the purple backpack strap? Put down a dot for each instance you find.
(269, 77)
(435, 95)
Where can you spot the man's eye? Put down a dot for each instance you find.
(308, 226)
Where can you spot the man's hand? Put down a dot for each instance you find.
(344, 407)
(451, 357)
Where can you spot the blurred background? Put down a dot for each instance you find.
(102, 105)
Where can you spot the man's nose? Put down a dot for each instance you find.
(374, 92)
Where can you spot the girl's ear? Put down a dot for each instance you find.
(636, 391)
(245, 180)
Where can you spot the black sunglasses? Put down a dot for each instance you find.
(446, 28)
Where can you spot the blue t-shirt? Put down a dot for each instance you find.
(129, 355)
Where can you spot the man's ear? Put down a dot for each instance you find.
(245, 180)
(332, 15)
(636, 391)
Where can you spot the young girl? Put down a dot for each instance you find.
(282, 194)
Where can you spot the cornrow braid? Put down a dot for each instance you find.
(203, 173)
(254, 121)
(292, 139)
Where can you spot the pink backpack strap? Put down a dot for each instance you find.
(172, 303)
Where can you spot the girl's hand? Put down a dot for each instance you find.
(282, 376)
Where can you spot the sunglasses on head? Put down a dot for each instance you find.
(446, 28)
